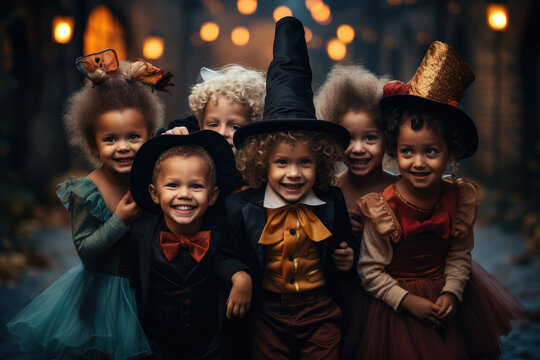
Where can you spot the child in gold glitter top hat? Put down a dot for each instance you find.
(433, 301)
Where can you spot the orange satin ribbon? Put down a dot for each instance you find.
(274, 231)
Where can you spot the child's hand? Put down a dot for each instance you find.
(448, 306)
(343, 257)
(127, 210)
(423, 309)
(179, 130)
(240, 296)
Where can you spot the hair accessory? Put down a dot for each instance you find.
(437, 87)
(208, 74)
(395, 87)
(153, 76)
(105, 60)
(288, 104)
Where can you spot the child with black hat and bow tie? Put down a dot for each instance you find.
(290, 233)
(178, 180)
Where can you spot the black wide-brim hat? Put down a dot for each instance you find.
(437, 87)
(288, 103)
(143, 165)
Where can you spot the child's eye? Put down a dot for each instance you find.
(307, 162)
(280, 162)
(197, 186)
(134, 137)
(212, 125)
(406, 151)
(171, 185)
(371, 138)
(235, 127)
(431, 151)
(109, 139)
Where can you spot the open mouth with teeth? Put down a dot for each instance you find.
(184, 209)
(292, 187)
(359, 162)
(419, 174)
(124, 161)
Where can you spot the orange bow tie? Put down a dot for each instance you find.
(197, 244)
(439, 224)
(274, 230)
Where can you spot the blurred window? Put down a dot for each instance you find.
(103, 30)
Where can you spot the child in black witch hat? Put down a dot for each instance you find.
(178, 180)
(290, 234)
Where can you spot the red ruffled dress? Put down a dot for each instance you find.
(427, 253)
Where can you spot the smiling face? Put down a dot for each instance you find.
(119, 135)
(365, 152)
(291, 170)
(225, 117)
(183, 189)
(422, 156)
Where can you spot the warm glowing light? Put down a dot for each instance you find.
(345, 33)
(281, 12)
(103, 30)
(311, 3)
(240, 36)
(497, 16)
(246, 7)
(153, 47)
(209, 31)
(62, 29)
(321, 13)
(336, 50)
(308, 33)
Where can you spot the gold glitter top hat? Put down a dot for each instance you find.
(437, 87)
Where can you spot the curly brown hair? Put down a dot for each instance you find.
(101, 94)
(252, 158)
(349, 88)
(395, 117)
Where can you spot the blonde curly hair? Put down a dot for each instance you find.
(252, 158)
(102, 93)
(237, 84)
(346, 88)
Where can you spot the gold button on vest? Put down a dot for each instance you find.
(292, 258)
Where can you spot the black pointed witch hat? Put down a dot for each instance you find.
(289, 98)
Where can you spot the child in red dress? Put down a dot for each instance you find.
(433, 302)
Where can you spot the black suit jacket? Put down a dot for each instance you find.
(201, 285)
(246, 220)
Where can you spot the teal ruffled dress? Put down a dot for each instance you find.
(90, 312)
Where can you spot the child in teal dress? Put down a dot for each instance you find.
(90, 312)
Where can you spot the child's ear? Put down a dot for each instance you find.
(153, 193)
(214, 196)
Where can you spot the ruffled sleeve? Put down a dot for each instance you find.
(458, 259)
(381, 229)
(93, 227)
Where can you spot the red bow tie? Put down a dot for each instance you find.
(439, 224)
(197, 244)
